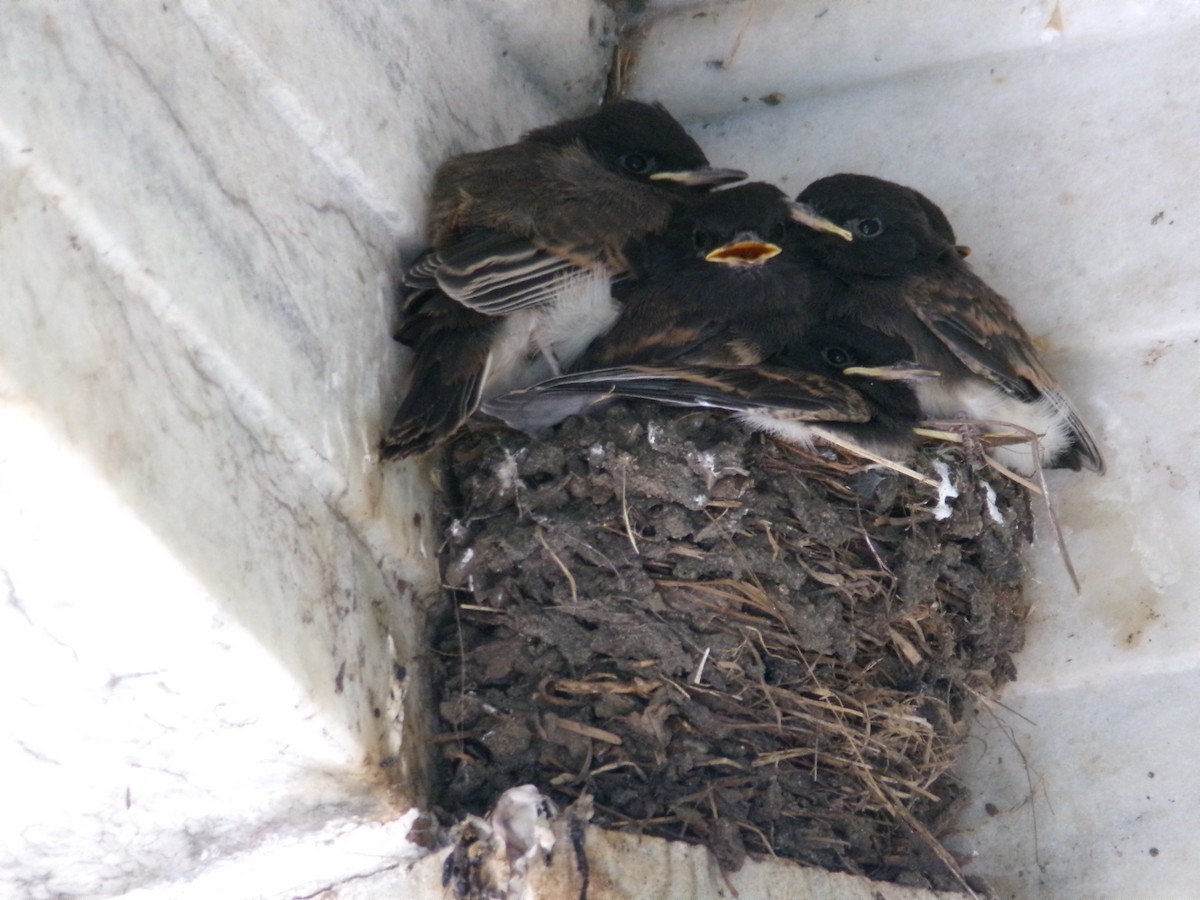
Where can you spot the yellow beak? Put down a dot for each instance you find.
(899, 372)
(806, 215)
(743, 253)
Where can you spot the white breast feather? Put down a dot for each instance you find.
(977, 399)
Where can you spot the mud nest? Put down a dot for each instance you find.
(723, 639)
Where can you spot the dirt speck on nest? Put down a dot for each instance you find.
(720, 638)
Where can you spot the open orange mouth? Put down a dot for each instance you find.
(744, 253)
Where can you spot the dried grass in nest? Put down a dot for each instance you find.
(723, 639)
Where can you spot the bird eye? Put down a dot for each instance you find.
(836, 357)
(704, 240)
(867, 228)
(636, 163)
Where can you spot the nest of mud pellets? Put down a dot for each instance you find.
(720, 638)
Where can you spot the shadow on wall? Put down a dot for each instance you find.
(207, 312)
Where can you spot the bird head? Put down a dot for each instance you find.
(740, 227)
(877, 365)
(894, 228)
(641, 141)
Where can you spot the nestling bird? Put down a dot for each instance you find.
(903, 275)
(838, 383)
(716, 287)
(526, 239)
(720, 319)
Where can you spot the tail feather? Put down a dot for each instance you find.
(449, 371)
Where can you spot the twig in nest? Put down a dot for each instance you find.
(855, 450)
(462, 666)
(902, 812)
(1013, 476)
(905, 647)
(726, 597)
(620, 764)
(720, 761)
(639, 686)
(949, 437)
(866, 536)
(554, 556)
(588, 731)
(831, 475)
(776, 550)
(625, 518)
(750, 826)
(590, 548)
